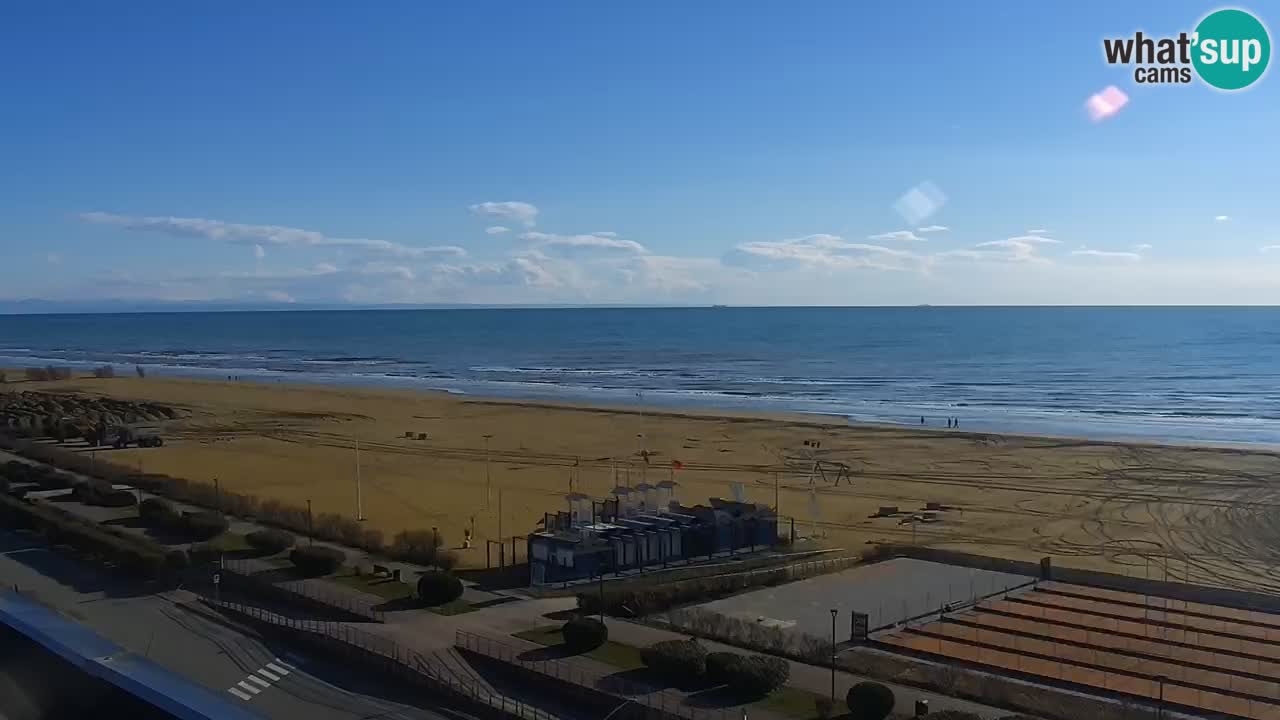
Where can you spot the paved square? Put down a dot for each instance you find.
(888, 592)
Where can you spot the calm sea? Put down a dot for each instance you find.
(1188, 374)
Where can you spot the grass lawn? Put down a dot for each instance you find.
(457, 607)
(384, 588)
(795, 703)
(625, 657)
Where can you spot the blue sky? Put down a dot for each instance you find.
(657, 152)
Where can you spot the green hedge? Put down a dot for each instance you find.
(747, 675)
(316, 559)
(679, 661)
(584, 634)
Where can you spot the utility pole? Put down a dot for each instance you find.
(217, 496)
(359, 496)
(777, 508)
(311, 535)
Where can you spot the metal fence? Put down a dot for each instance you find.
(307, 591)
(655, 699)
(423, 668)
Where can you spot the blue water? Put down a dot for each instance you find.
(1184, 374)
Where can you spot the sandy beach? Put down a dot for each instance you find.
(1202, 513)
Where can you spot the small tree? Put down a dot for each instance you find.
(869, 701)
(436, 587)
(584, 634)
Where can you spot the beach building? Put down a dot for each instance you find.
(639, 528)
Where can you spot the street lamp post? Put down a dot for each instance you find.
(834, 612)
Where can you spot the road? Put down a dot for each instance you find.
(174, 631)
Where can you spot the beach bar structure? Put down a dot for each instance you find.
(640, 528)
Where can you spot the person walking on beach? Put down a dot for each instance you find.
(948, 422)
(921, 419)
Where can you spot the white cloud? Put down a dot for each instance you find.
(258, 252)
(521, 212)
(1142, 247)
(896, 236)
(277, 235)
(826, 251)
(279, 296)
(1019, 249)
(1222, 218)
(1037, 238)
(933, 229)
(1107, 254)
(1270, 248)
(497, 229)
(605, 234)
(590, 242)
(1037, 231)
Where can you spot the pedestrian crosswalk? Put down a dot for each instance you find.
(260, 679)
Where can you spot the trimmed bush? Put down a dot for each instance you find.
(436, 587)
(269, 541)
(204, 525)
(316, 559)
(584, 634)
(676, 660)
(757, 675)
(720, 666)
(869, 701)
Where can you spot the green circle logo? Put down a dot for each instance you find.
(1232, 49)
